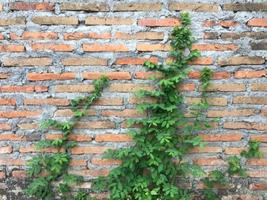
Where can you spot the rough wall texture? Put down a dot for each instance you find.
(51, 51)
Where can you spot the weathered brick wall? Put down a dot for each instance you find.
(51, 52)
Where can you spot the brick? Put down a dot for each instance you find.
(69, 113)
(110, 75)
(91, 173)
(73, 137)
(12, 21)
(233, 150)
(98, 47)
(51, 47)
(211, 35)
(50, 101)
(258, 186)
(33, 149)
(98, 161)
(20, 62)
(55, 20)
(2, 176)
(139, 36)
(206, 149)
(216, 101)
(19, 174)
(261, 138)
(259, 46)
(74, 88)
(187, 87)
(261, 22)
(137, 7)
(243, 197)
(39, 35)
(128, 87)
(27, 126)
(12, 162)
(31, 6)
(202, 61)
(228, 137)
(255, 35)
(209, 161)
(50, 76)
(96, 125)
(25, 88)
(215, 47)
(257, 162)
(257, 174)
(135, 60)
(5, 101)
(89, 150)
(222, 23)
(227, 87)
(259, 86)
(4, 75)
(91, 35)
(84, 61)
(20, 114)
(153, 22)
(6, 149)
(78, 162)
(1, 36)
(152, 47)
(245, 125)
(216, 75)
(147, 75)
(245, 6)
(197, 7)
(12, 137)
(5, 126)
(249, 100)
(12, 48)
(108, 21)
(136, 100)
(122, 113)
(93, 7)
(231, 113)
(241, 60)
(113, 138)
(250, 74)
(109, 102)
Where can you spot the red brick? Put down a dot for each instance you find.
(31, 6)
(89, 150)
(202, 61)
(20, 62)
(7, 101)
(139, 36)
(91, 35)
(108, 21)
(110, 75)
(50, 76)
(159, 22)
(187, 87)
(12, 137)
(223, 23)
(113, 138)
(20, 114)
(24, 88)
(137, 7)
(52, 47)
(6, 149)
(50, 101)
(261, 22)
(197, 7)
(98, 47)
(250, 74)
(39, 35)
(12, 48)
(135, 61)
(228, 137)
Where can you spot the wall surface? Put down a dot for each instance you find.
(51, 51)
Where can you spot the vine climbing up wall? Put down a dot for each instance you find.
(52, 51)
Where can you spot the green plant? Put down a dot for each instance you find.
(235, 166)
(45, 169)
(253, 150)
(150, 167)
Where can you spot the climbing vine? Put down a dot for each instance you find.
(151, 166)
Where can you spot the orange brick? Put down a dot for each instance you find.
(20, 114)
(39, 35)
(257, 162)
(197, 7)
(233, 150)
(137, 7)
(74, 137)
(31, 6)
(4, 75)
(96, 47)
(113, 138)
(135, 61)
(96, 125)
(153, 47)
(12, 48)
(128, 87)
(257, 174)
(202, 61)
(7, 101)
(217, 101)
(261, 138)
(76, 162)
(12, 137)
(93, 7)
(6, 149)
(74, 88)
(228, 23)
(206, 149)
(108, 21)
(27, 62)
(80, 35)
(89, 150)
(91, 173)
(216, 75)
(139, 36)
(84, 61)
(69, 113)
(50, 101)
(52, 47)
(159, 22)
(19, 174)
(215, 47)
(12, 162)
(50, 76)
(147, 75)
(241, 60)
(259, 86)
(258, 186)
(25, 88)
(110, 75)
(187, 87)
(33, 149)
(5, 126)
(261, 22)
(245, 125)
(136, 100)
(109, 102)
(26, 126)
(209, 161)
(249, 100)
(12, 21)
(231, 113)
(122, 113)
(98, 161)
(250, 74)
(233, 137)
(55, 20)
(227, 87)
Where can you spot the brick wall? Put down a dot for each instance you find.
(51, 52)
